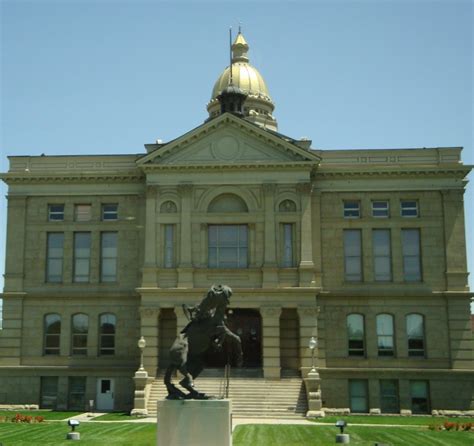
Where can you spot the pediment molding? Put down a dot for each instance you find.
(31, 178)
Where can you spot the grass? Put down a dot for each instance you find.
(402, 421)
(144, 434)
(293, 435)
(115, 416)
(92, 434)
(47, 414)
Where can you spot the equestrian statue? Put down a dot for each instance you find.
(206, 330)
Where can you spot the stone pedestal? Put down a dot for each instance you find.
(313, 393)
(139, 400)
(194, 422)
(343, 438)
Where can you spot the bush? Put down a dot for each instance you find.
(20, 418)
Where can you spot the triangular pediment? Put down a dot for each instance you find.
(228, 140)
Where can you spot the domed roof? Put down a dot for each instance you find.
(258, 106)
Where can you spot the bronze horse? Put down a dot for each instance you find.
(206, 330)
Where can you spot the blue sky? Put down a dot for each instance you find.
(93, 77)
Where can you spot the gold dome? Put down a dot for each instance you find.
(258, 106)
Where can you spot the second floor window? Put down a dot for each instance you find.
(80, 329)
(415, 335)
(355, 335)
(287, 246)
(168, 261)
(82, 256)
(382, 254)
(380, 209)
(411, 255)
(56, 212)
(352, 255)
(228, 246)
(54, 257)
(108, 257)
(52, 334)
(385, 330)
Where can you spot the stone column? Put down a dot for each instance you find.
(316, 223)
(271, 341)
(181, 320)
(306, 266)
(149, 329)
(270, 272)
(308, 328)
(185, 270)
(149, 269)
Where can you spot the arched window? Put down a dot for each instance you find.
(52, 334)
(107, 326)
(287, 206)
(415, 335)
(385, 342)
(227, 203)
(168, 207)
(355, 335)
(80, 329)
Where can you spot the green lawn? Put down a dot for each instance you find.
(47, 414)
(144, 434)
(281, 435)
(383, 419)
(115, 416)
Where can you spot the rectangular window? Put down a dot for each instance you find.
(82, 256)
(389, 401)
(287, 254)
(355, 335)
(351, 209)
(353, 255)
(409, 208)
(55, 212)
(77, 393)
(82, 212)
(358, 395)
(415, 335)
(108, 257)
(54, 257)
(382, 255)
(411, 255)
(110, 212)
(49, 392)
(169, 247)
(228, 246)
(385, 342)
(80, 330)
(419, 391)
(380, 209)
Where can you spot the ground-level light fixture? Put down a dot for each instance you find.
(312, 345)
(141, 345)
(73, 435)
(341, 424)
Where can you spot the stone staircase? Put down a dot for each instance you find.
(252, 396)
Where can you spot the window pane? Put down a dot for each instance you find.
(419, 396)
(389, 400)
(414, 325)
(49, 392)
(55, 252)
(385, 341)
(227, 246)
(287, 260)
(358, 395)
(409, 208)
(169, 246)
(351, 209)
(77, 390)
(82, 212)
(56, 212)
(80, 323)
(108, 267)
(380, 208)
(109, 211)
(352, 242)
(82, 243)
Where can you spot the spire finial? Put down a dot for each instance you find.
(230, 54)
(240, 27)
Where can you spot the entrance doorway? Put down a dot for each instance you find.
(105, 394)
(247, 323)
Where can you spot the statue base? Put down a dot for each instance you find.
(194, 422)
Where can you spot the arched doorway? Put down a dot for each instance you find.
(247, 323)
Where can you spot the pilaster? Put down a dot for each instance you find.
(271, 341)
(270, 271)
(149, 329)
(185, 269)
(306, 266)
(308, 318)
(149, 269)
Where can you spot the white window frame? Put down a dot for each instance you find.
(55, 213)
(416, 352)
(348, 209)
(383, 211)
(382, 351)
(358, 352)
(109, 215)
(407, 211)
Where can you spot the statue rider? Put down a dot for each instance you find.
(218, 297)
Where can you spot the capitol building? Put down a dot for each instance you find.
(362, 250)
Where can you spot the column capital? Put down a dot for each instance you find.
(149, 311)
(269, 188)
(309, 311)
(185, 188)
(305, 188)
(270, 311)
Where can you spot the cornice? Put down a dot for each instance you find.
(70, 178)
(292, 165)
